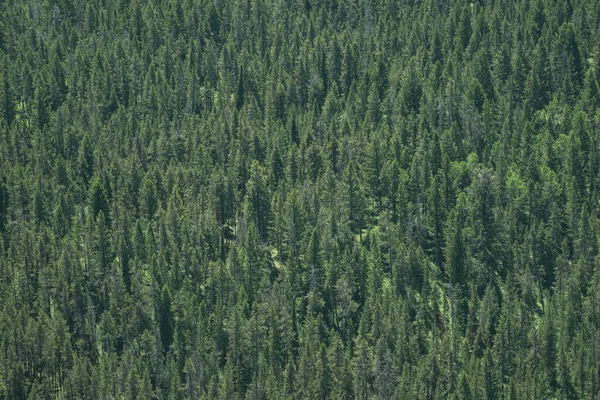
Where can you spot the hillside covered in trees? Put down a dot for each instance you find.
(303, 199)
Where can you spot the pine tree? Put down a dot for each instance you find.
(257, 203)
(97, 199)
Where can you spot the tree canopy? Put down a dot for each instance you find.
(299, 199)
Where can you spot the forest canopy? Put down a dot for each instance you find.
(299, 199)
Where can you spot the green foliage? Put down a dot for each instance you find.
(255, 199)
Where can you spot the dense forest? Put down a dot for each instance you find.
(299, 199)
